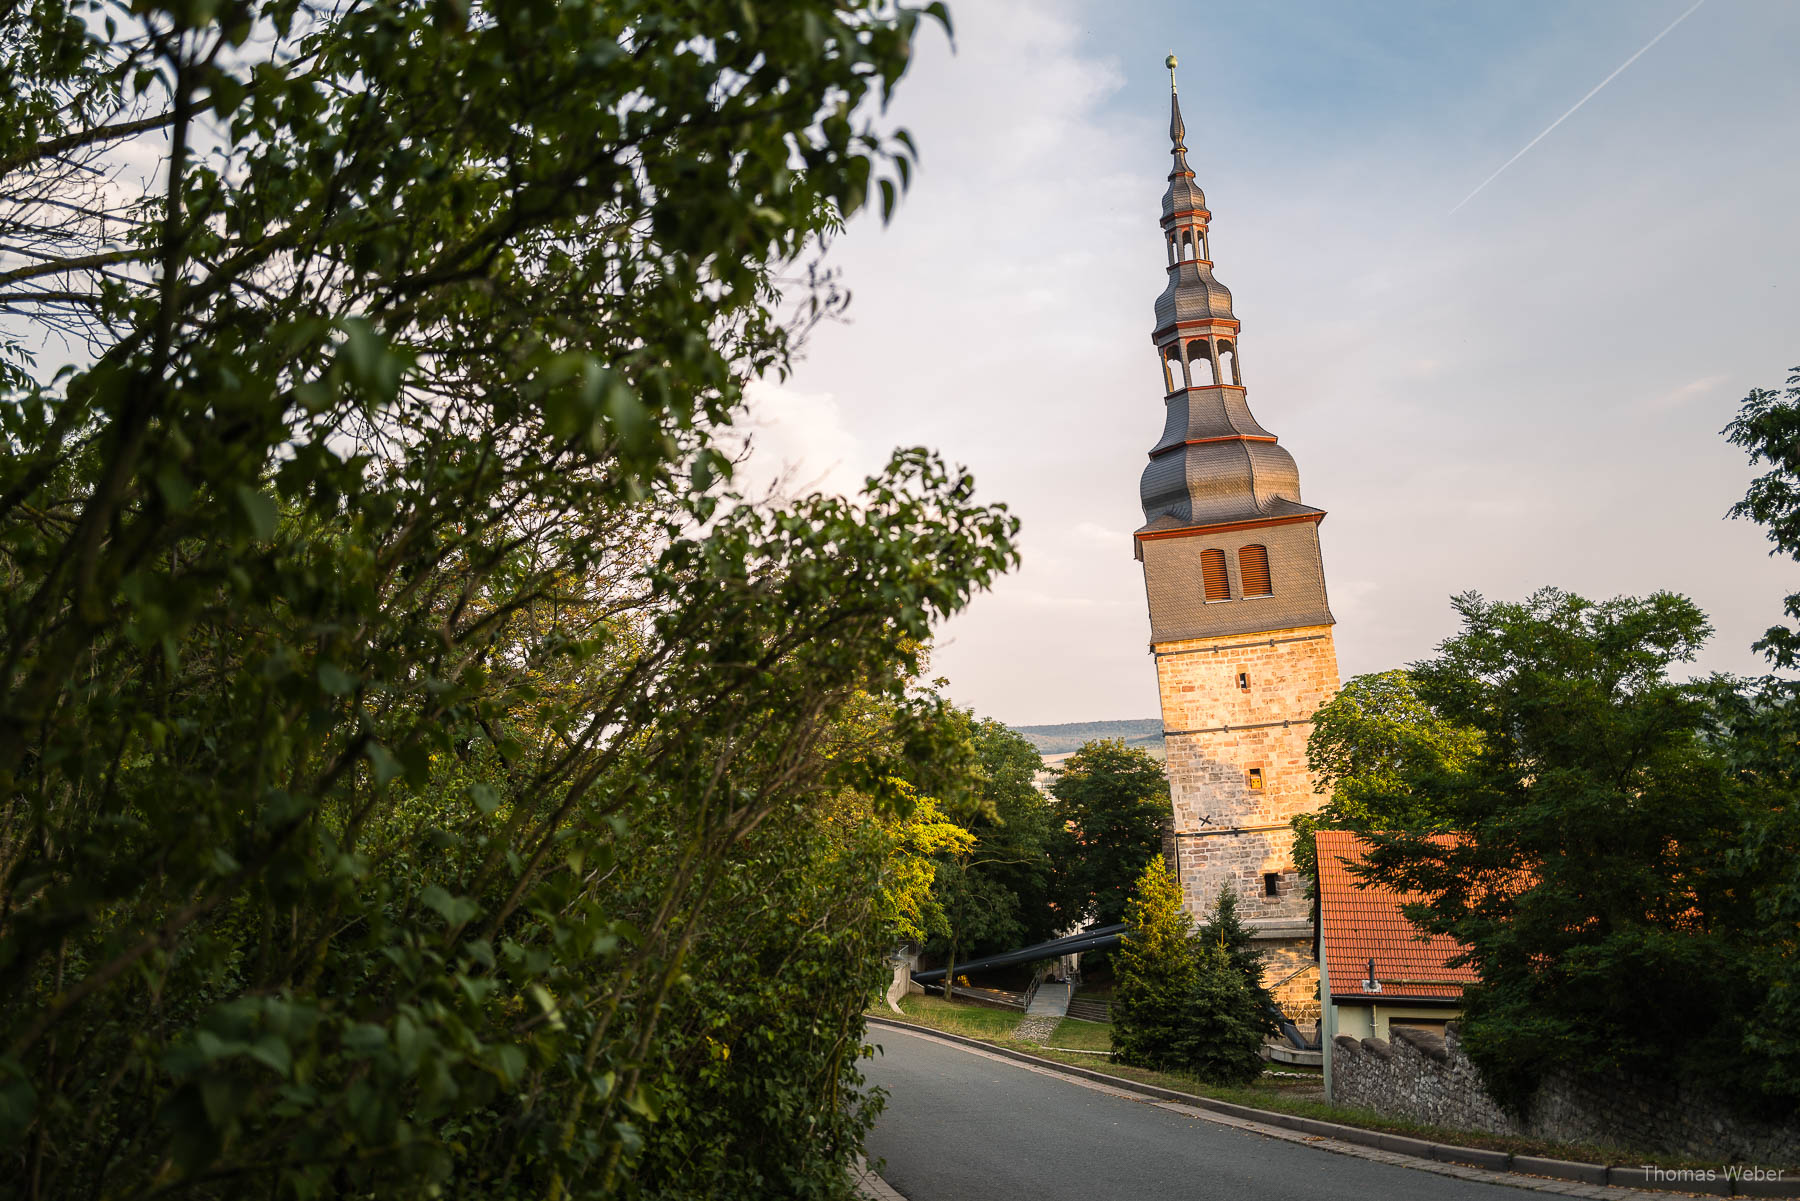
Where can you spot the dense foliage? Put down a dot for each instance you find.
(1115, 803)
(1594, 882)
(1760, 732)
(1181, 1000)
(420, 775)
(1767, 427)
(995, 890)
(1374, 748)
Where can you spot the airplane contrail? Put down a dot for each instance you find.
(1515, 158)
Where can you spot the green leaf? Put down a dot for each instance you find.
(18, 1100)
(454, 910)
(270, 1049)
(259, 510)
(172, 484)
(383, 763)
(336, 681)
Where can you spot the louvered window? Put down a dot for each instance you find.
(1253, 566)
(1212, 575)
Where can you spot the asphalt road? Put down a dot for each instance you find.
(957, 1121)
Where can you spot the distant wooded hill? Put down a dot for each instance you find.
(1060, 740)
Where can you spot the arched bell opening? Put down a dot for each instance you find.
(1174, 371)
(1228, 364)
(1201, 368)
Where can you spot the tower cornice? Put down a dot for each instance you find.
(1227, 527)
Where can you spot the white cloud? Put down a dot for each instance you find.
(1675, 398)
(798, 443)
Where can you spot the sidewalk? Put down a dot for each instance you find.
(1047, 1008)
(869, 1186)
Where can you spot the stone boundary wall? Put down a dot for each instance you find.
(1424, 1078)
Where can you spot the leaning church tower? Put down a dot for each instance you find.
(1239, 624)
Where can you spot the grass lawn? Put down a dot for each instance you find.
(1296, 1093)
(954, 1017)
(1082, 1036)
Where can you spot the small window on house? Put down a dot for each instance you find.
(1271, 884)
(1253, 567)
(1244, 680)
(1212, 575)
(1256, 780)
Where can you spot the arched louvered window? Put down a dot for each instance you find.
(1212, 575)
(1253, 569)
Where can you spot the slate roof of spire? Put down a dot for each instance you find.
(1214, 464)
(1184, 195)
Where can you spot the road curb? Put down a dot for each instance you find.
(1522, 1171)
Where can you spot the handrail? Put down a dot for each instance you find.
(1092, 939)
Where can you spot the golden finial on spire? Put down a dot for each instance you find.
(1170, 63)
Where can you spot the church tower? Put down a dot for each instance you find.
(1239, 624)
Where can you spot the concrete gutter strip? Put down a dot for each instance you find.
(1591, 1174)
(869, 1186)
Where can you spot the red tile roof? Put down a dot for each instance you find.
(1358, 923)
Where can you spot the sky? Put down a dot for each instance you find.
(1525, 392)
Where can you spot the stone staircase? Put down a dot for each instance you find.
(1090, 1009)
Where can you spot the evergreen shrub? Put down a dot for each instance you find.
(1181, 1000)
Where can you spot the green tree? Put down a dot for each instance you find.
(1155, 973)
(1224, 1029)
(1595, 818)
(1767, 428)
(399, 717)
(1374, 749)
(1115, 800)
(1182, 1001)
(1760, 726)
(1225, 932)
(995, 892)
(1016, 828)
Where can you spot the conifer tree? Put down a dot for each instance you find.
(1226, 932)
(1183, 1002)
(1155, 971)
(1222, 1024)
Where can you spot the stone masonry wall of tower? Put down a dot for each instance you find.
(1239, 621)
(1246, 703)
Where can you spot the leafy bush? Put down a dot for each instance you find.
(422, 776)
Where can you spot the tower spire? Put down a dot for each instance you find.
(1177, 128)
(1235, 587)
(1214, 463)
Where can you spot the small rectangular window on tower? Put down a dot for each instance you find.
(1256, 779)
(1213, 580)
(1244, 680)
(1253, 569)
(1271, 884)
